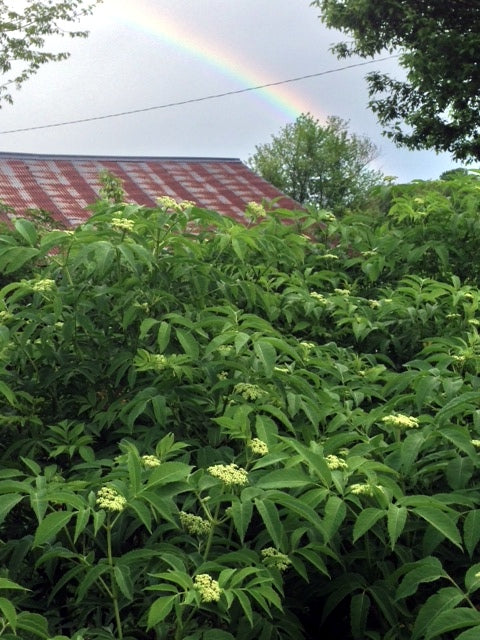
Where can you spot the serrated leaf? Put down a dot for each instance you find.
(245, 604)
(267, 355)
(444, 600)
(7, 502)
(188, 342)
(396, 519)
(471, 530)
(159, 610)
(5, 583)
(241, 513)
(269, 514)
(366, 520)
(168, 472)
(426, 570)
(335, 512)
(282, 479)
(124, 580)
(447, 621)
(471, 634)
(9, 612)
(459, 471)
(472, 578)
(442, 522)
(27, 230)
(50, 526)
(359, 607)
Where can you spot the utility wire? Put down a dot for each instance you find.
(193, 100)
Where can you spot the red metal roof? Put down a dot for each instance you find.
(64, 185)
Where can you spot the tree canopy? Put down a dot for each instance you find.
(318, 164)
(23, 33)
(437, 105)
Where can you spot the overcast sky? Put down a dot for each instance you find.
(146, 53)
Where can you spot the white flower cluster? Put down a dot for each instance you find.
(258, 447)
(400, 421)
(208, 588)
(342, 292)
(109, 499)
(229, 474)
(194, 524)
(274, 558)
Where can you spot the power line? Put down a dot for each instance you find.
(193, 100)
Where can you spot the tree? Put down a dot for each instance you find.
(318, 164)
(23, 33)
(437, 105)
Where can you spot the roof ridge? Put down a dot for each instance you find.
(113, 158)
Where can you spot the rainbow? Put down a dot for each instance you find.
(141, 15)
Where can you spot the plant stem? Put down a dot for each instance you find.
(113, 585)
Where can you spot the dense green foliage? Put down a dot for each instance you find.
(22, 36)
(225, 432)
(437, 105)
(319, 164)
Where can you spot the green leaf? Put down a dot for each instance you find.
(7, 502)
(188, 342)
(269, 514)
(8, 612)
(444, 523)
(8, 393)
(471, 634)
(168, 472)
(359, 607)
(217, 634)
(444, 600)
(124, 580)
(447, 621)
(245, 604)
(241, 512)
(297, 508)
(471, 530)
(282, 479)
(5, 583)
(472, 578)
(366, 520)
(50, 526)
(396, 519)
(33, 623)
(267, 355)
(83, 516)
(459, 471)
(27, 230)
(335, 513)
(159, 610)
(163, 336)
(428, 569)
(134, 469)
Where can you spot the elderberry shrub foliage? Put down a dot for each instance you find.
(270, 430)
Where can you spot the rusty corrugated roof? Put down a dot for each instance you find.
(64, 185)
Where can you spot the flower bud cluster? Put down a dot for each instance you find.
(45, 284)
(274, 558)
(109, 499)
(150, 462)
(248, 391)
(195, 524)
(167, 202)
(400, 421)
(123, 224)
(229, 474)
(318, 296)
(334, 462)
(362, 489)
(254, 211)
(208, 588)
(257, 446)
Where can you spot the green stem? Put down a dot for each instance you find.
(113, 585)
(213, 520)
